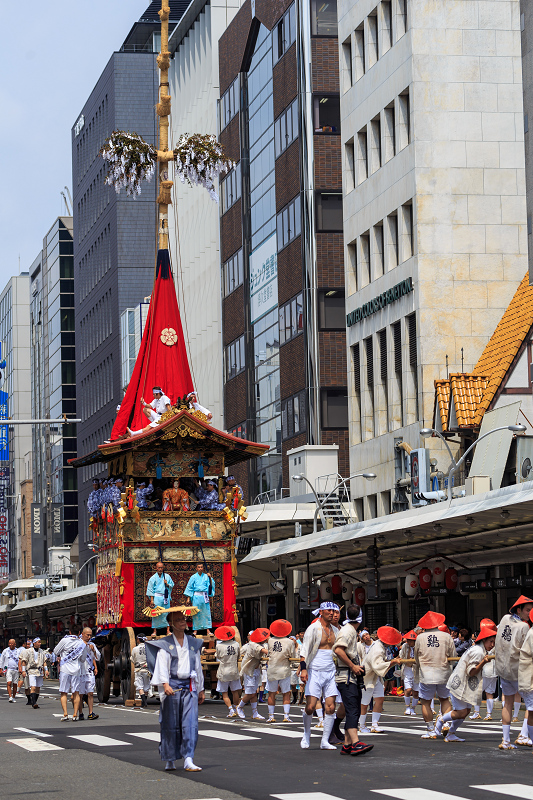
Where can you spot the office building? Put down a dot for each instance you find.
(114, 237)
(194, 88)
(281, 236)
(15, 402)
(53, 392)
(526, 32)
(434, 212)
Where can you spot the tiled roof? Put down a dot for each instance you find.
(473, 393)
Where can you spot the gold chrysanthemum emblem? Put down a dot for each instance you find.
(169, 336)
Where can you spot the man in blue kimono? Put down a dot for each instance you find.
(158, 591)
(199, 589)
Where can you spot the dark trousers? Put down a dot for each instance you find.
(178, 718)
(351, 697)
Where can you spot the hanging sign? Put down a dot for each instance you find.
(264, 278)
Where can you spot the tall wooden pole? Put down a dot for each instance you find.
(163, 110)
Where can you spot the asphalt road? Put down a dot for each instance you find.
(246, 759)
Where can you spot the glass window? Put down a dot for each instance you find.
(234, 358)
(291, 319)
(230, 188)
(327, 114)
(233, 273)
(285, 32)
(334, 408)
(324, 17)
(329, 211)
(229, 103)
(288, 223)
(332, 310)
(293, 415)
(239, 431)
(286, 127)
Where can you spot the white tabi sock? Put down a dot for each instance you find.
(271, 710)
(407, 701)
(516, 709)
(476, 709)
(329, 719)
(506, 733)
(231, 710)
(447, 717)
(241, 705)
(455, 724)
(189, 764)
(490, 706)
(530, 732)
(524, 731)
(306, 738)
(362, 721)
(433, 704)
(286, 709)
(320, 714)
(254, 708)
(414, 702)
(375, 718)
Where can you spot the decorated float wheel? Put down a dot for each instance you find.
(127, 681)
(103, 677)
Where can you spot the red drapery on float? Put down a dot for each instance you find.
(162, 358)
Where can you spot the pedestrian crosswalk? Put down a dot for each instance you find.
(511, 790)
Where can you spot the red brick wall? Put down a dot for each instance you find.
(269, 11)
(235, 397)
(233, 315)
(241, 475)
(295, 441)
(325, 57)
(231, 231)
(230, 139)
(290, 278)
(292, 367)
(329, 248)
(285, 82)
(339, 437)
(232, 45)
(328, 166)
(332, 350)
(287, 175)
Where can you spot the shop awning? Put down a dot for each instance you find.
(57, 598)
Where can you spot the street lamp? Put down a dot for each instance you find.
(77, 575)
(369, 476)
(455, 466)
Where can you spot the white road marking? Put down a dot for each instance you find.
(153, 736)
(416, 794)
(98, 740)
(306, 796)
(227, 736)
(512, 789)
(35, 733)
(34, 745)
(279, 732)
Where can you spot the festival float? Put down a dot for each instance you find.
(182, 446)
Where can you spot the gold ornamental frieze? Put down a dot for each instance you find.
(187, 527)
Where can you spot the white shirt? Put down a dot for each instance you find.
(162, 666)
(10, 658)
(159, 404)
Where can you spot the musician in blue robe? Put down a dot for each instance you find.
(94, 501)
(208, 497)
(199, 589)
(177, 670)
(159, 591)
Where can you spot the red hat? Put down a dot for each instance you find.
(225, 633)
(280, 628)
(410, 635)
(487, 623)
(444, 628)
(485, 633)
(431, 619)
(260, 635)
(389, 635)
(522, 600)
(531, 615)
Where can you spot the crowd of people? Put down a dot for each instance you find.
(340, 668)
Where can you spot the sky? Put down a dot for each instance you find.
(52, 54)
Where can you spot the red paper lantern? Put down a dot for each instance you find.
(424, 578)
(336, 584)
(360, 595)
(90, 622)
(60, 626)
(451, 578)
(72, 619)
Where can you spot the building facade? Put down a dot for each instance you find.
(281, 235)
(526, 31)
(15, 440)
(434, 211)
(114, 237)
(53, 392)
(194, 88)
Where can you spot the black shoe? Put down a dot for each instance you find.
(92, 716)
(360, 748)
(346, 750)
(80, 716)
(29, 703)
(144, 701)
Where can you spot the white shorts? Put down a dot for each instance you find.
(12, 675)
(295, 680)
(263, 676)
(142, 681)
(251, 683)
(459, 705)
(36, 681)
(509, 688)
(223, 686)
(89, 684)
(372, 692)
(489, 685)
(410, 683)
(283, 683)
(427, 691)
(70, 683)
(321, 683)
(527, 697)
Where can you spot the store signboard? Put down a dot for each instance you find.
(4, 524)
(264, 278)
